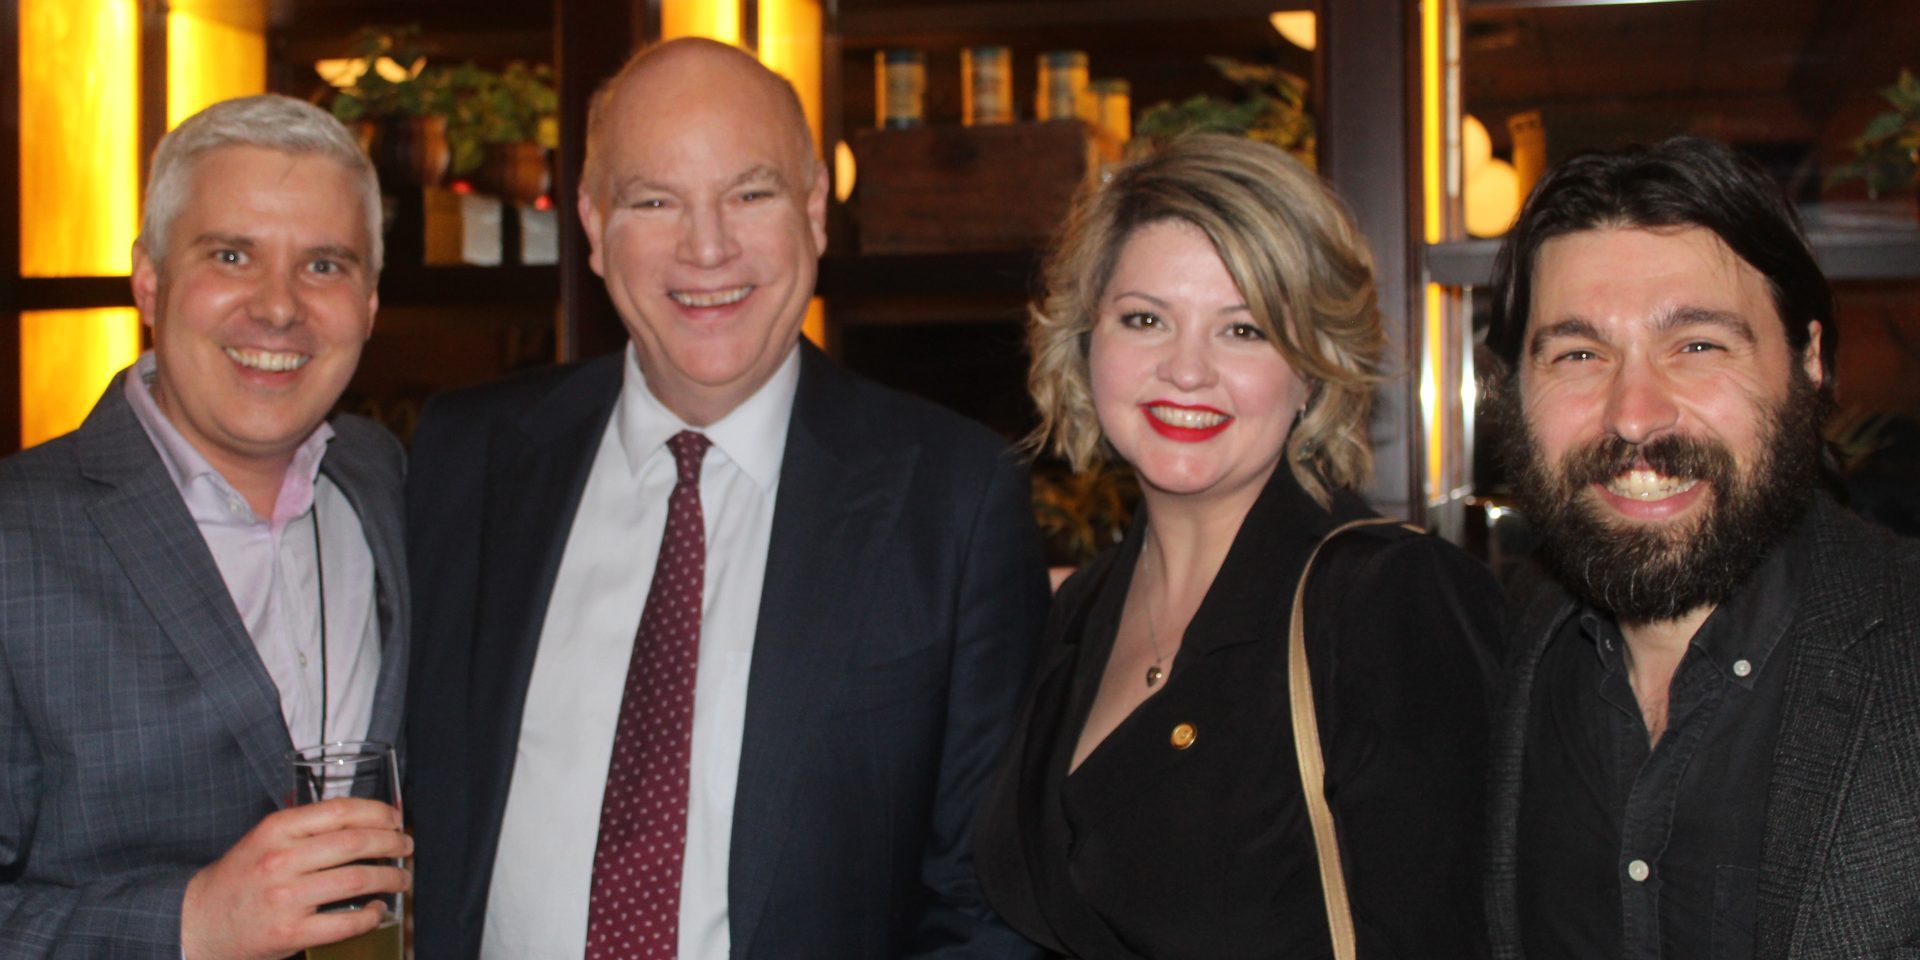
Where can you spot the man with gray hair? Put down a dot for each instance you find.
(208, 573)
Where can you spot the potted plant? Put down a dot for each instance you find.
(1273, 109)
(1886, 154)
(503, 125)
(398, 108)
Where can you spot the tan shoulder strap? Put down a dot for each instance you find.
(1313, 767)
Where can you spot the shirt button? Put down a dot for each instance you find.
(1638, 870)
(1183, 736)
(1741, 668)
(303, 660)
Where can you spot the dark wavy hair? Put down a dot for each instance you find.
(1682, 182)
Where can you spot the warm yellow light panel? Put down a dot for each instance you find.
(814, 327)
(79, 137)
(1432, 89)
(715, 19)
(79, 198)
(216, 50)
(67, 358)
(790, 47)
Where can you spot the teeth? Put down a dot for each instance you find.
(1648, 485)
(716, 299)
(1190, 419)
(272, 361)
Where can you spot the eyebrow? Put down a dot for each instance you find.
(1162, 304)
(758, 173)
(1667, 322)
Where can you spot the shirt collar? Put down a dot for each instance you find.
(185, 465)
(753, 436)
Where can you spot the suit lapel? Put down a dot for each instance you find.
(836, 502)
(1829, 687)
(536, 471)
(1538, 610)
(379, 511)
(145, 523)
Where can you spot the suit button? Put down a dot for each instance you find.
(1183, 736)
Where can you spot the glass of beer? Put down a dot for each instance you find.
(354, 769)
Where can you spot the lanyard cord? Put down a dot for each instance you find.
(320, 577)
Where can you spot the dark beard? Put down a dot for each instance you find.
(1645, 574)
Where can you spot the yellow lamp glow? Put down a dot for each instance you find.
(790, 47)
(1492, 199)
(79, 183)
(216, 50)
(1476, 147)
(844, 171)
(1297, 26)
(67, 357)
(714, 19)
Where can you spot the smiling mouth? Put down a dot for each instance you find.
(1187, 419)
(1647, 485)
(270, 361)
(717, 298)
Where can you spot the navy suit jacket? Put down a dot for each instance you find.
(903, 601)
(140, 735)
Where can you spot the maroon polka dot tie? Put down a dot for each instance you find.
(634, 910)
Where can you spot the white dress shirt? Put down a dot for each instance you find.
(543, 870)
(269, 566)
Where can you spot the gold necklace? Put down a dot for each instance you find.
(1154, 673)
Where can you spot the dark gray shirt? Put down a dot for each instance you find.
(1631, 851)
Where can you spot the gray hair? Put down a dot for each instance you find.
(270, 121)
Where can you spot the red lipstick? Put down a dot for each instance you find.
(1184, 434)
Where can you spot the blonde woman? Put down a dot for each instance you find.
(1210, 320)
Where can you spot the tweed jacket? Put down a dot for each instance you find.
(140, 734)
(1840, 860)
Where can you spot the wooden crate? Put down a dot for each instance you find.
(952, 189)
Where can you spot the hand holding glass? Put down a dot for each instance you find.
(354, 769)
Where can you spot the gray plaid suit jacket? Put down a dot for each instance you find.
(140, 735)
(1840, 857)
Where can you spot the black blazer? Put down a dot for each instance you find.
(1207, 851)
(904, 594)
(1840, 854)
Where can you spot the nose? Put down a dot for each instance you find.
(1187, 363)
(1640, 403)
(707, 239)
(276, 300)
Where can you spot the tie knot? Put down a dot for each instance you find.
(688, 450)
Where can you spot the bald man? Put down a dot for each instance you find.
(718, 641)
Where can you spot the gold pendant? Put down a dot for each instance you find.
(1154, 674)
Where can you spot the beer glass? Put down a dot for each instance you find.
(354, 769)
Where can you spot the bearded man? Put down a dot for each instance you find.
(1710, 745)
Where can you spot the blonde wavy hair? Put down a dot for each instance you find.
(1292, 251)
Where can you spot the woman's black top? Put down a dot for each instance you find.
(1152, 851)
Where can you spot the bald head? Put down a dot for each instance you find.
(692, 73)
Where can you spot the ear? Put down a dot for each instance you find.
(373, 310)
(591, 222)
(817, 208)
(146, 283)
(1810, 357)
